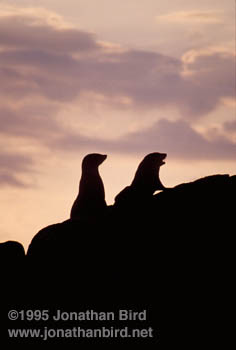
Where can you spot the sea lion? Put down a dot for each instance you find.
(90, 201)
(146, 180)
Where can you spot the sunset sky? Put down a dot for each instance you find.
(122, 78)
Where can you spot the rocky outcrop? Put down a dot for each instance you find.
(170, 255)
(12, 256)
(179, 228)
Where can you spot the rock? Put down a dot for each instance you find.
(11, 253)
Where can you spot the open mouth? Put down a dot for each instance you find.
(163, 157)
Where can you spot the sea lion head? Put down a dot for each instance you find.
(93, 160)
(148, 171)
(155, 158)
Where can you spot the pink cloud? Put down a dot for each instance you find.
(44, 62)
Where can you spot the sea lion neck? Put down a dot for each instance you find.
(89, 169)
(145, 173)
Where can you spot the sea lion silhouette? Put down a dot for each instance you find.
(146, 180)
(90, 201)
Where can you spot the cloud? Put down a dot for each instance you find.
(35, 16)
(230, 126)
(47, 65)
(195, 16)
(59, 63)
(42, 30)
(33, 121)
(176, 138)
(180, 141)
(12, 167)
(150, 80)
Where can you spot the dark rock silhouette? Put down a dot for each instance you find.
(90, 201)
(170, 256)
(11, 253)
(13, 268)
(146, 181)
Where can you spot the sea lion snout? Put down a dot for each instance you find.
(163, 156)
(157, 158)
(101, 158)
(93, 160)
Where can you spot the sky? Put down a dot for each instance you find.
(120, 78)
